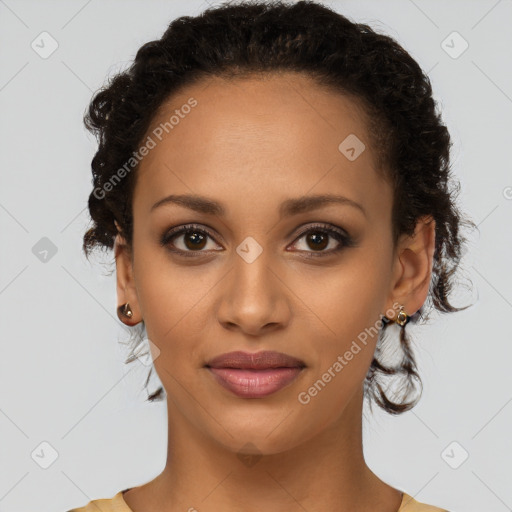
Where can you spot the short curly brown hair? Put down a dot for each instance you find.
(234, 40)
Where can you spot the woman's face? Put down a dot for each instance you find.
(263, 267)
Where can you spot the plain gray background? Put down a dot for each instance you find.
(62, 377)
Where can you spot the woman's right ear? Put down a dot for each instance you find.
(119, 241)
(126, 291)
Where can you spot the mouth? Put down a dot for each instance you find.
(255, 375)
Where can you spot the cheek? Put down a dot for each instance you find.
(342, 322)
(174, 304)
(347, 298)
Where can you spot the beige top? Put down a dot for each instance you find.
(117, 504)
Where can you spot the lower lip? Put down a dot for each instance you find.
(254, 383)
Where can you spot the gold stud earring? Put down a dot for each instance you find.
(401, 318)
(124, 311)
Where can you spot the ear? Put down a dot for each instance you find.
(413, 266)
(126, 291)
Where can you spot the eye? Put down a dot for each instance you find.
(317, 238)
(190, 238)
(193, 239)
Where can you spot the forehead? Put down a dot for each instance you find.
(272, 135)
(257, 108)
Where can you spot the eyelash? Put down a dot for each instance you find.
(336, 233)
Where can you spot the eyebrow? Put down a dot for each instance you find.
(288, 208)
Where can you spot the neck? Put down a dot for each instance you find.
(327, 471)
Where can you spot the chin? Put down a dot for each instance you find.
(259, 434)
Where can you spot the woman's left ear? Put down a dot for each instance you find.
(413, 267)
(126, 291)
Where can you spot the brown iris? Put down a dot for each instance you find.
(314, 237)
(197, 240)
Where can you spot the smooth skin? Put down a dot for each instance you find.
(250, 144)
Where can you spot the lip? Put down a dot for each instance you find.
(255, 383)
(255, 360)
(254, 375)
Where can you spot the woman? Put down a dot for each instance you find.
(274, 180)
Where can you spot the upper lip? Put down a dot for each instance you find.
(255, 361)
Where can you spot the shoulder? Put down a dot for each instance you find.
(114, 504)
(117, 504)
(409, 504)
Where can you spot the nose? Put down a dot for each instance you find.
(254, 298)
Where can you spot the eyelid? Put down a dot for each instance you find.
(321, 226)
